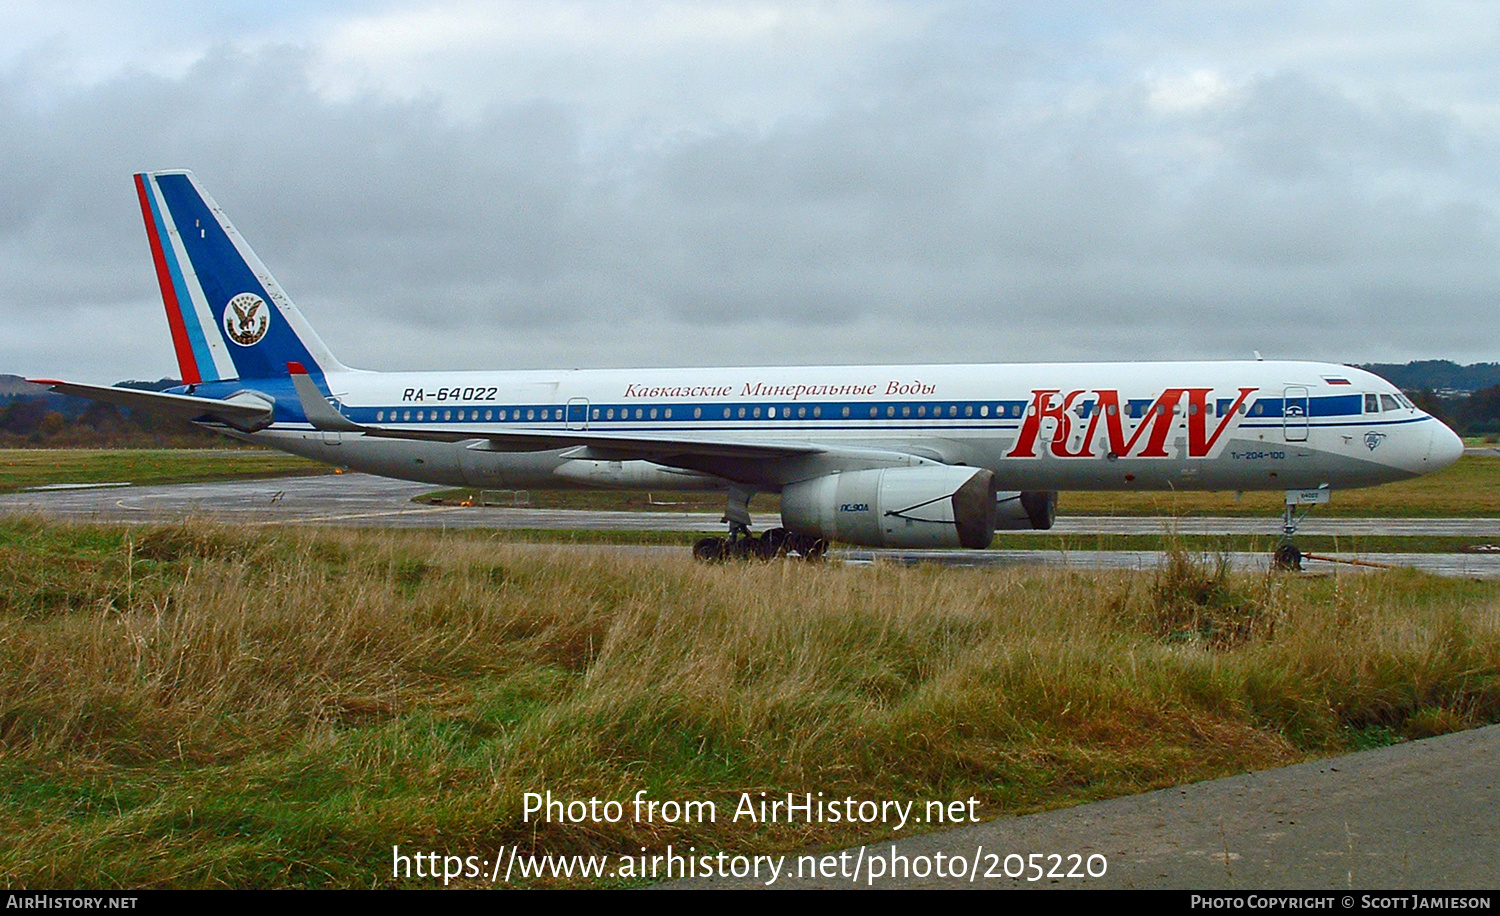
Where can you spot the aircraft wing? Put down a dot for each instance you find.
(247, 412)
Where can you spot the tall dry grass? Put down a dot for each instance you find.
(196, 705)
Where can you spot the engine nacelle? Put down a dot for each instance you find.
(1031, 510)
(930, 506)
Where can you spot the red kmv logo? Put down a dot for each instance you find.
(1147, 440)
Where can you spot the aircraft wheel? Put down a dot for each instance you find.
(764, 548)
(709, 550)
(745, 548)
(1287, 557)
(776, 542)
(815, 550)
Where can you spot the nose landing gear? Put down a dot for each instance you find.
(1287, 556)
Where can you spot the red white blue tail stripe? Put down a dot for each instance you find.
(228, 316)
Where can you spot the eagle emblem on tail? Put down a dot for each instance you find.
(246, 319)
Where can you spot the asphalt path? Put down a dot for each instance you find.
(361, 500)
(1418, 816)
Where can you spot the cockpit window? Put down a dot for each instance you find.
(1372, 403)
(1387, 402)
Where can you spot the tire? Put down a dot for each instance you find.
(745, 548)
(709, 550)
(815, 551)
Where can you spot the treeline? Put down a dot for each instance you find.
(1440, 375)
(1467, 398)
(1475, 414)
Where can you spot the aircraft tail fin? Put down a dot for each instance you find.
(229, 317)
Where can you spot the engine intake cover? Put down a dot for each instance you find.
(930, 506)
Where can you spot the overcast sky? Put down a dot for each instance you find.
(568, 183)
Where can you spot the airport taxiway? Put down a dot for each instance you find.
(1418, 816)
(360, 500)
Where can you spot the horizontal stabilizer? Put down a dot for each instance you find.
(247, 414)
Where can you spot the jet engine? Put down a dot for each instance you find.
(929, 506)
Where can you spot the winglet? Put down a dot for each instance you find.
(317, 410)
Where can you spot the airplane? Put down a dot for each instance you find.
(878, 456)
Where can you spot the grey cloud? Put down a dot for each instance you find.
(919, 214)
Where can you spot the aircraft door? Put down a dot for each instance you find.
(578, 413)
(1294, 412)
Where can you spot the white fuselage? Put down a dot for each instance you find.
(1086, 426)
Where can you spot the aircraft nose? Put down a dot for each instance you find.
(1446, 447)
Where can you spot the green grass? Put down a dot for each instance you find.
(1469, 488)
(1248, 543)
(21, 468)
(1040, 540)
(195, 706)
(603, 500)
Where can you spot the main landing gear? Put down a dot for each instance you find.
(742, 545)
(1287, 556)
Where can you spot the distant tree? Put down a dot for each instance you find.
(1431, 403)
(1481, 414)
